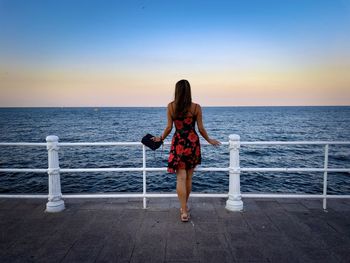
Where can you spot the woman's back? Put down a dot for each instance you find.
(190, 112)
(185, 120)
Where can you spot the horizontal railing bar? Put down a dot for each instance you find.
(168, 143)
(206, 143)
(118, 143)
(192, 195)
(88, 143)
(78, 170)
(149, 169)
(99, 144)
(252, 195)
(213, 195)
(23, 196)
(212, 169)
(293, 142)
(140, 195)
(306, 196)
(209, 169)
(126, 195)
(20, 170)
(23, 143)
(295, 169)
(337, 196)
(160, 195)
(121, 195)
(162, 169)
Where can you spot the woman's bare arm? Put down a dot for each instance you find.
(201, 128)
(168, 128)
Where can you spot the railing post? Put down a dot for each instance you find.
(55, 202)
(234, 202)
(325, 177)
(144, 185)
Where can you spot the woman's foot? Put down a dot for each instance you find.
(184, 216)
(188, 214)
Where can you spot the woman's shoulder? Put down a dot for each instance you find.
(196, 106)
(171, 105)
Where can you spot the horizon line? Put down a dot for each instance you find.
(206, 106)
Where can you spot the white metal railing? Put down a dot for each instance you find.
(234, 203)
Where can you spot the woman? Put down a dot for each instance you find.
(185, 152)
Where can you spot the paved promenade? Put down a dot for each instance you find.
(119, 230)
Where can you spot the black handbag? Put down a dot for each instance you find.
(146, 140)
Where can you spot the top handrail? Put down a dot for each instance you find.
(168, 143)
(293, 142)
(23, 144)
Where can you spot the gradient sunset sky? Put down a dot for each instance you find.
(131, 53)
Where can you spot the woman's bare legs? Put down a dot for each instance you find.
(181, 188)
(189, 183)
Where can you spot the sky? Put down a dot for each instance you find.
(132, 53)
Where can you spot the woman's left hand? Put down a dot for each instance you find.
(156, 139)
(214, 142)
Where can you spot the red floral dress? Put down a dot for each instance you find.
(185, 150)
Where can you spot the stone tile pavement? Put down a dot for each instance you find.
(119, 230)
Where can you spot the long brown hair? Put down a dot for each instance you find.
(183, 98)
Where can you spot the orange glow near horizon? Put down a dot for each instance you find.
(300, 86)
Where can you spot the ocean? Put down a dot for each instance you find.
(107, 124)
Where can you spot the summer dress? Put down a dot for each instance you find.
(185, 150)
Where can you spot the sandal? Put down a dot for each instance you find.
(184, 217)
(188, 212)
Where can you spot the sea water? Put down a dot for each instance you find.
(115, 124)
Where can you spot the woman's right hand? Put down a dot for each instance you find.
(156, 139)
(214, 142)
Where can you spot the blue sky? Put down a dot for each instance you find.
(152, 36)
(35, 28)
